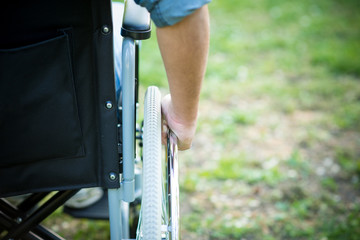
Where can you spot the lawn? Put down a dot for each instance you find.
(277, 153)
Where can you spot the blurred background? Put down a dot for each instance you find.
(277, 152)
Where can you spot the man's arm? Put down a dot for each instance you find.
(184, 49)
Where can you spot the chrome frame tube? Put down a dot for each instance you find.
(125, 207)
(128, 119)
(115, 214)
(118, 227)
(173, 186)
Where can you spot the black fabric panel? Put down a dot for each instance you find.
(73, 91)
(61, 174)
(39, 106)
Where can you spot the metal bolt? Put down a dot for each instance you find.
(105, 29)
(112, 176)
(108, 105)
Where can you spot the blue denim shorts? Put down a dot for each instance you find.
(168, 12)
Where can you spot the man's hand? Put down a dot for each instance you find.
(184, 130)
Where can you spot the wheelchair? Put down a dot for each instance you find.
(66, 124)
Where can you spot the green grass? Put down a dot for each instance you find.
(295, 56)
(347, 228)
(313, 46)
(243, 169)
(350, 163)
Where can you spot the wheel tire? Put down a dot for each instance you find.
(152, 168)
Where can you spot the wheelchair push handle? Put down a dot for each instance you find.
(136, 21)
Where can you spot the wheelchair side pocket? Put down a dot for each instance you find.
(39, 117)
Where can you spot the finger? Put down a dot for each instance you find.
(164, 131)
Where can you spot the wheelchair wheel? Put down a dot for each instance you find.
(159, 214)
(151, 204)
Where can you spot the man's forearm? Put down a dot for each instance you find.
(184, 48)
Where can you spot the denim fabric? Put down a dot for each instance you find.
(168, 12)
